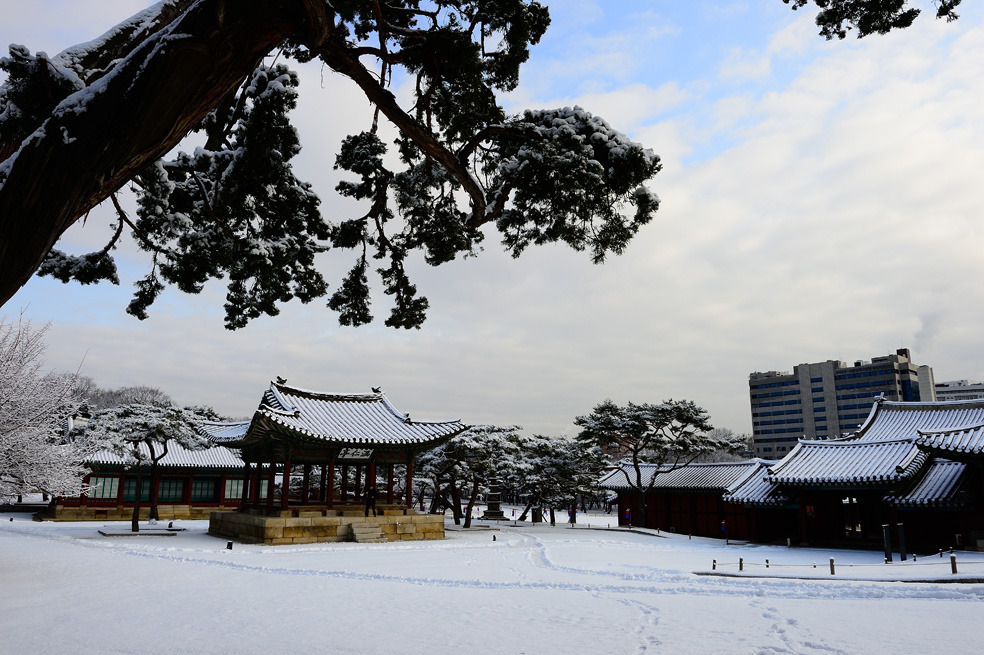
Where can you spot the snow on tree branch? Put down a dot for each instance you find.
(35, 407)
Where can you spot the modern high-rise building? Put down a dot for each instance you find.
(959, 390)
(827, 399)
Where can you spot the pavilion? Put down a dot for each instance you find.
(358, 439)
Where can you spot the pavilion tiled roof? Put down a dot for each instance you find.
(718, 476)
(849, 463)
(355, 420)
(219, 433)
(177, 457)
(938, 486)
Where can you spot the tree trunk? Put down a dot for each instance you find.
(526, 510)
(455, 502)
(573, 518)
(155, 482)
(143, 108)
(471, 503)
(553, 517)
(135, 519)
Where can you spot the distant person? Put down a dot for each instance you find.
(371, 499)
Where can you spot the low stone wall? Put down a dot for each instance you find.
(319, 528)
(165, 512)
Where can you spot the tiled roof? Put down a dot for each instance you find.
(718, 476)
(938, 486)
(223, 432)
(350, 419)
(891, 420)
(756, 489)
(853, 463)
(177, 456)
(969, 439)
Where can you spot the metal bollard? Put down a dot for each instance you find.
(714, 565)
(741, 563)
(953, 563)
(831, 566)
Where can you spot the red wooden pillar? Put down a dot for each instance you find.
(344, 482)
(244, 496)
(358, 482)
(371, 474)
(305, 483)
(186, 487)
(410, 480)
(329, 484)
(119, 490)
(285, 488)
(271, 483)
(389, 484)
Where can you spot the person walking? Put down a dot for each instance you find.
(371, 500)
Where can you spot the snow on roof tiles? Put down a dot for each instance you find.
(715, 476)
(892, 419)
(968, 439)
(939, 486)
(348, 418)
(756, 489)
(848, 463)
(223, 432)
(177, 456)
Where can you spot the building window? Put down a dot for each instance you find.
(233, 489)
(130, 489)
(102, 487)
(170, 490)
(203, 491)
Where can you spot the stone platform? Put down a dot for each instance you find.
(309, 527)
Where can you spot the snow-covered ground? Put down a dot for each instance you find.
(524, 589)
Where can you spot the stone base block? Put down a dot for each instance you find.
(275, 530)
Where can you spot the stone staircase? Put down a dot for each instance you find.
(367, 533)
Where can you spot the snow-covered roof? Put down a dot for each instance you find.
(938, 486)
(223, 432)
(177, 456)
(718, 476)
(757, 489)
(969, 439)
(346, 419)
(850, 463)
(892, 419)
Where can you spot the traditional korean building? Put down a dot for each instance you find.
(193, 484)
(918, 465)
(356, 439)
(914, 464)
(296, 472)
(687, 500)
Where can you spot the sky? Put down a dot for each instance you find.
(820, 200)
